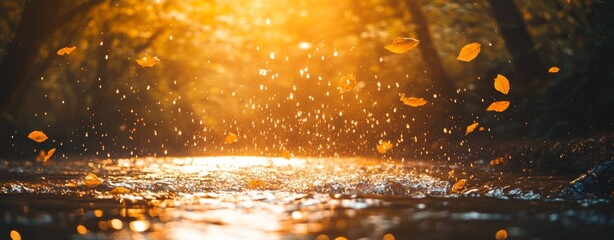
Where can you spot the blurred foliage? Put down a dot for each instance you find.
(268, 71)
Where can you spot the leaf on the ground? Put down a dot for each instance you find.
(413, 101)
(402, 45)
(497, 161)
(458, 186)
(502, 84)
(498, 106)
(383, 146)
(501, 235)
(65, 50)
(231, 138)
(469, 52)
(148, 61)
(347, 83)
(49, 154)
(119, 190)
(286, 154)
(471, 128)
(37, 136)
(91, 180)
(554, 69)
(256, 184)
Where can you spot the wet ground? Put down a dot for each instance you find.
(298, 198)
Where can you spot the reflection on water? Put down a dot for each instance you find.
(276, 198)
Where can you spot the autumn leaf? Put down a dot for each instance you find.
(91, 180)
(471, 128)
(37, 136)
(255, 184)
(119, 190)
(286, 154)
(413, 101)
(469, 52)
(502, 84)
(383, 146)
(65, 50)
(41, 156)
(498, 106)
(554, 70)
(501, 235)
(49, 154)
(231, 138)
(402, 45)
(497, 161)
(148, 61)
(347, 83)
(458, 186)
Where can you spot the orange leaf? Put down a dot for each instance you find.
(383, 146)
(554, 70)
(497, 161)
(347, 83)
(499, 106)
(148, 61)
(37, 136)
(231, 138)
(502, 84)
(413, 101)
(255, 184)
(402, 45)
(286, 154)
(91, 180)
(471, 128)
(458, 186)
(65, 50)
(119, 190)
(501, 235)
(469, 52)
(49, 154)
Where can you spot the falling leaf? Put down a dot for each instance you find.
(458, 186)
(41, 155)
(91, 180)
(37, 136)
(231, 138)
(65, 50)
(502, 84)
(347, 83)
(49, 154)
(255, 184)
(497, 161)
(402, 45)
(471, 128)
(469, 52)
(383, 146)
(413, 101)
(501, 235)
(286, 154)
(148, 61)
(119, 190)
(498, 106)
(554, 70)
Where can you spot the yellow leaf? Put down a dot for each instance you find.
(65, 50)
(471, 128)
(231, 138)
(148, 61)
(91, 180)
(119, 190)
(413, 101)
(458, 186)
(383, 146)
(37, 136)
(502, 84)
(49, 154)
(497, 161)
(554, 70)
(255, 184)
(402, 45)
(499, 106)
(286, 154)
(347, 83)
(501, 235)
(469, 52)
